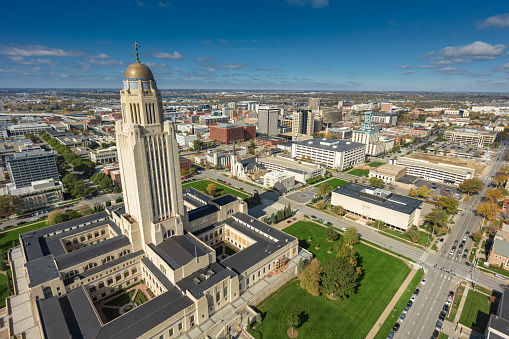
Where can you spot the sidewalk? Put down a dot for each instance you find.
(454, 329)
(391, 305)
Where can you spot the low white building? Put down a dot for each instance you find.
(433, 171)
(388, 173)
(186, 140)
(278, 180)
(395, 210)
(333, 153)
(301, 171)
(103, 156)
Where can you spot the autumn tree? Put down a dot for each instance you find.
(324, 189)
(338, 210)
(320, 205)
(56, 217)
(339, 277)
(437, 217)
(412, 192)
(9, 204)
(376, 182)
(86, 210)
(471, 186)
(504, 170)
(331, 234)
(414, 235)
(293, 321)
(450, 205)
(423, 192)
(476, 236)
(311, 277)
(211, 190)
(351, 236)
(494, 194)
(499, 179)
(488, 209)
(347, 251)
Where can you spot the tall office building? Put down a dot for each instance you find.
(33, 165)
(303, 122)
(268, 120)
(147, 148)
(314, 104)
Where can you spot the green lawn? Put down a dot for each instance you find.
(4, 289)
(400, 305)
(325, 318)
(110, 313)
(201, 185)
(7, 238)
(121, 300)
(476, 312)
(442, 335)
(140, 298)
(335, 183)
(375, 164)
(359, 172)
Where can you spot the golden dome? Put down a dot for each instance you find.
(137, 70)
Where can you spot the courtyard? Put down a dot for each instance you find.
(322, 317)
(201, 185)
(124, 302)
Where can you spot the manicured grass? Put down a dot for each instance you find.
(476, 312)
(455, 303)
(140, 298)
(122, 299)
(359, 173)
(325, 318)
(442, 335)
(201, 185)
(400, 305)
(375, 164)
(335, 183)
(4, 289)
(7, 238)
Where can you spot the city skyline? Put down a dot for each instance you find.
(289, 45)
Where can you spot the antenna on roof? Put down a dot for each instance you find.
(195, 255)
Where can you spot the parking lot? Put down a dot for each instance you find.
(303, 197)
(440, 188)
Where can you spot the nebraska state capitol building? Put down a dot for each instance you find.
(162, 238)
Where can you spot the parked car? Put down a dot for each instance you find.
(391, 335)
(498, 275)
(445, 308)
(405, 310)
(442, 315)
(438, 325)
(402, 317)
(396, 327)
(435, 334)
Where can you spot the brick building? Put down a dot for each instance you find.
(268, 141)
(230, 133)
(185, 164)
(93, 120)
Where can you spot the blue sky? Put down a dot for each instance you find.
(277, 44)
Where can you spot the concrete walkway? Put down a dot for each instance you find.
(390, 306)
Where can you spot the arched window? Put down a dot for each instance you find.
(126, 274)
(82, 239)
(118, 277)
(134, 270)
(75, 240)
(110, 281)
(89, 236)
(48, 293)
(96, 234)
(103, 232)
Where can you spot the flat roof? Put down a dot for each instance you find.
(177, 251)
(292, 165)
(53, 322)
(204, 279)
(395, 202)
(224, 199)
(157, 273)
(336, 145)
(388, 169)
(41, 270)
(437, 166)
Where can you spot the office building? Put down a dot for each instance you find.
(278, 180)
(385, 118)
(230, 133)
(470, 136)
(332, 153)
(161, 242)
(449, 174)
(301, 171)
(186, 140)
(303, 122)
(27, 128)
(31, 165)
(103, 156)
(370, 136)
(268, 141)
(388, 173)
(343, 133)
(396, 211)
(268, 121)
(39, 194)
(314, 104)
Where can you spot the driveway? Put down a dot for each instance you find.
(303, 197)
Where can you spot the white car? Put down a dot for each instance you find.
(465, 238)
(423, 281)
(413, 298)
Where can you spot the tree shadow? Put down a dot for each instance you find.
(304, 317)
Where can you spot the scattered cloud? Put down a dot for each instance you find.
(107, 42)
(207, 42)
(156, 66)
(402, 66)
(269, 69)
(392, 22)
(102, 60)
(503, 68)
(477, 51)
(237, 65)
(38, 51)
(441, 62)
(313, 3)
(407, 72)
(315, 67)
(497, 21)
(174, 56)
(427, 66)
(141, 4)
(164, 4)
(461, 71)
(202, 58)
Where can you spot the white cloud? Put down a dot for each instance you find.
(498, 21)
(478, 51)
(503, 68)
(141, 4)
(402, 66)
(407, 72)
(174, 56)
(313, 3)
(164, 4)
(38, 51)
(237, 65)
(102, 60)
(202, 58)
(156, 66)
(427, 66)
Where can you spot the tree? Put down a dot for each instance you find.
(31, 137)
(9, 204)
(476, 236)
(311, 276)
(437, 217)
(504, 169)
(423, 192)
(414, 235)
(494, 194)
(331, 234)
(251, 150)
(211, 190)
(279, 216)
(197, 145)
(2, 265)
(351, 236)
(338, 210)
(293, 321)
(183, 173)
(301, 266)
(320, 205)
(339, 276)
(86, 210)
(499, 179)
(376, 182)
(273, 219)
(119, 199)
(412, 192)
(488, 209)
(56, 217)
(192, 170)
(450, 205)
(324, 189)
(258, 317)
(471, 186)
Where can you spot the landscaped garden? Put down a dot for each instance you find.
(375, 164)
(359, 172)
(9, 239)
(201, 185)
(334, 183)
(321, 317)
(476, 311)
(125, 302)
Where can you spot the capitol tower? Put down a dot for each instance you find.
(149, 162)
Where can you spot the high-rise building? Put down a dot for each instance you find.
(314, 104)
(375, 144)
(147, 147)
(303, 122)
(32, 165)
(268, 121)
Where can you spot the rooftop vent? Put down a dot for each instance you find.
(310, 142)
(196, 281)
(348, 142)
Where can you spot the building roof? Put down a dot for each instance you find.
(157, 273)
(224, 199)
(41, 270)
(202, 211)
(388, 169)
(386, 199)
(53, 322)
(290, 165)
(137, 70)
(436, 166)
(329, 144)
(178, 251)
(86, 317)
(204, 279)
(501, 247)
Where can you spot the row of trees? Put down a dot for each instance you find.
(76, 187)
(185, 172)
(85, 166)
(281, 215)
(104, 182)
(314, 180)
(422, 192)
(9, 205)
